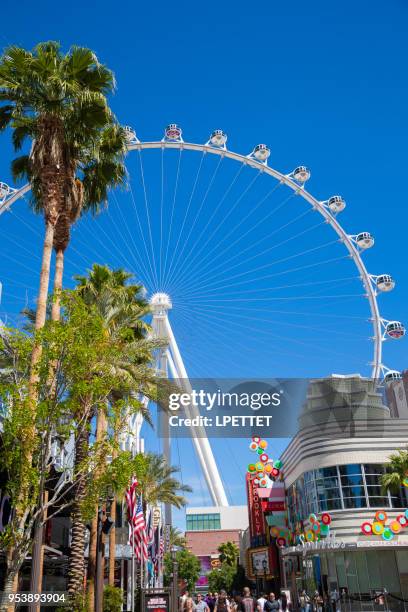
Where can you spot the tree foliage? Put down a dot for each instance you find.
(396, 471)
(188, 568)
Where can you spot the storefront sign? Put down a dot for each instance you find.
(256, 517)
(263, 561)
(157, 602)
(156, 516)
(273, 506)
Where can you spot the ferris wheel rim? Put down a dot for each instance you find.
(299, 189)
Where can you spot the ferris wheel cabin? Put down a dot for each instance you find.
(385, 282)
(364, 240)
(218, 138)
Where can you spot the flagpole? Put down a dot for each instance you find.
(132, 581)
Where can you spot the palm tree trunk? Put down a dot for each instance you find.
(38, 546)
(59, 271)
(93, 536)
(10, 586)
(76, 569)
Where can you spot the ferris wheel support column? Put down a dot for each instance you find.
(201, 444)
(161, 304)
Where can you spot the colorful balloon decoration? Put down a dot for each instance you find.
(319, 528)
(380, 527)
(265, 469)
(281, 534)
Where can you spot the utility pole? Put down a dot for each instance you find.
(104, 527)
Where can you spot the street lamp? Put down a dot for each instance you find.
(264, 565)
(104, 526)
(173, 554)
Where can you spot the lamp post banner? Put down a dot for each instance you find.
(273, 408)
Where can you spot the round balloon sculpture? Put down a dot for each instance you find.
(381, 527)
(319, 527)
(264, 468)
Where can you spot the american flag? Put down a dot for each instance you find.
(137, 526)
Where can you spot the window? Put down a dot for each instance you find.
(203, 522)
(346, 487)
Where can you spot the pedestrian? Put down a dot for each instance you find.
(335, 600)
(283, 602)
(261, 603)
(183, 598)
(222, 603)
(210, 601)
(304, 601)
(317, 602)
(271, 604)
(189, 604)
(201, 604)
(248, 603)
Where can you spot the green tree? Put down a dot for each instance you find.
(58, 102)
(229, 553)
(177, 539)
(84, 355)
(222, 578)
(112, 599)
(98, 169)
(396, 471)
(188, 568)
(123, 309)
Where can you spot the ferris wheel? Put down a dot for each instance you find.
(236, 257)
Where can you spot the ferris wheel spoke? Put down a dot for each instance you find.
(275, 351)
(193, 224)
(243, 261)
(218, 206)
(176, 184)
(186, 213)
(241, 252)
(241, 237)
(133, 253)
(267, 332)
(234, 297)
(250, 317)
(283, 272)
(143, 239)
(145, 198)
(161, 216)
(215, 283)
(230, 211)
(139, 261)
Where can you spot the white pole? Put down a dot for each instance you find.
(132, 581)
(201, 444)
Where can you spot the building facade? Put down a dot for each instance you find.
(333, 469)
(208, 527)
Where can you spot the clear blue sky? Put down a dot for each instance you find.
(324, 84)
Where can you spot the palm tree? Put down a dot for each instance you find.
(158, 483)
(58, 102)
(177, 538)
(122, 307)
(396, 472)
(100, 169)
(229, 553)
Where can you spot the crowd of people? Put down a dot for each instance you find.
(268, 602)
(222, 602)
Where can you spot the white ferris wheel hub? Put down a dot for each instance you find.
(160, 303)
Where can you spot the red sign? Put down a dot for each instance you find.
(256, 517)
(273, 506)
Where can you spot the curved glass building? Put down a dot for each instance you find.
(334, 465)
